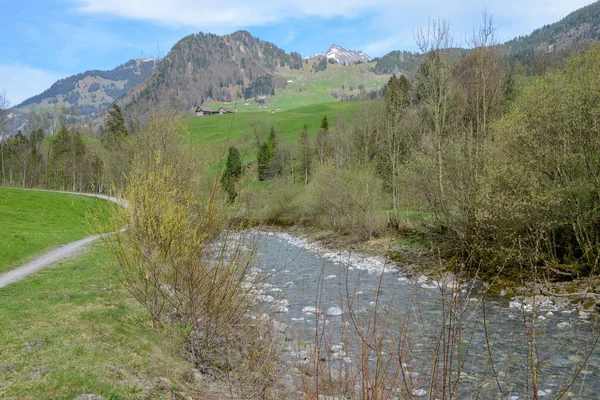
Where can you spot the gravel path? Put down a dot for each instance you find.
(56, 255)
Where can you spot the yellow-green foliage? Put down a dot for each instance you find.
(539, 187)
(350, 201)
(179, 260)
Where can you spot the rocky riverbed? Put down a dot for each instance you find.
(312, 291)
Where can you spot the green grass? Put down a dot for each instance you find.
(242, 127)
(306, 88)
(79, 324)
(35, 221)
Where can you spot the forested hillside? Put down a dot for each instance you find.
(204, 67)
(398, 62)
(580, 25)
(92, 92)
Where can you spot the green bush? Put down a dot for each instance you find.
(350, 201)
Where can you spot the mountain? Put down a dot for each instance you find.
(91, 92)
(206, 67)
(398, 62)
(582, 25)
(341, 56)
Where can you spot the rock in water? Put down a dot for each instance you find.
(334, 311)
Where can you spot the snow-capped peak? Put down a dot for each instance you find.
(341, 55)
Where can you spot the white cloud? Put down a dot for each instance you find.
(224, 16)
(22, 82)
(243, 13)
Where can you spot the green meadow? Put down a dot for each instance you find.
(243, 127)
(32, 222)
(75, 329)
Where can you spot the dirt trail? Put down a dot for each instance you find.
(55, 255)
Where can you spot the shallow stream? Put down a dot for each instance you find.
(311, 290)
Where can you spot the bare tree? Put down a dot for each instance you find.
(435, 83)
(4, 106)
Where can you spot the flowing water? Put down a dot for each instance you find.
(314, 290)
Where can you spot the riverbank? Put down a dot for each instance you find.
(351, 317)
(419, 260)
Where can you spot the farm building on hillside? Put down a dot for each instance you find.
(224, 110)
(273, 111)
(203, 110)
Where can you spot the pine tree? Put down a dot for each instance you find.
(115, 130)
(325, 124)
(266, 152)
(232, 173)
(397, 96)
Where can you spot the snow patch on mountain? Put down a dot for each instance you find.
(341, 55)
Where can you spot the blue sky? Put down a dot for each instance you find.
(45, 40)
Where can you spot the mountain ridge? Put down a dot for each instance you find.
(90, 92)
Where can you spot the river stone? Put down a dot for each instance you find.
(583, 315)
(89, 397)
(310, 310)
(336, 347)
(334, 311)
(419, 392)
(281, 309)
(542, 393)
(564, 325)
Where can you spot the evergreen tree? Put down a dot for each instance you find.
(397, 95)
(325, 124)
(233, 172)
(266, 152)
(114, 129)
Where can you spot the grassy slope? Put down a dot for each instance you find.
(35, 221)
(242, 126)
(310, 88)
(91, 336)
(314, 87)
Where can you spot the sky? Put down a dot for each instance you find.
(42, 41)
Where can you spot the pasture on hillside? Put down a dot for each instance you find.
(243, 127)
(306, 88)
(35, 221)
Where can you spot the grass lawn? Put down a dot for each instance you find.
(74, 329)
(34, 221)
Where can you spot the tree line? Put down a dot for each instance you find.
(47, 153)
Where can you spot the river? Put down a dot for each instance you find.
(324, 296)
